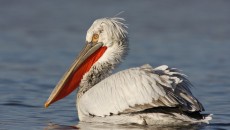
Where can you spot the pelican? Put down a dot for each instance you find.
(142, 95)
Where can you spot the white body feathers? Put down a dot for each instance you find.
(118, 98)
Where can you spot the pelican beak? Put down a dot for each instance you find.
(71, 79)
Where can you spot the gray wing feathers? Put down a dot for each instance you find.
(178, 88)
(137, 89)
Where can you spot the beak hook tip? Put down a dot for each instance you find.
(46, 105)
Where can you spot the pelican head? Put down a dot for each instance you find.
(107, 31)
(106, 45)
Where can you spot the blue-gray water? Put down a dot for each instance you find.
(40, 39)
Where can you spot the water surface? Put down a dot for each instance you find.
(40, 39)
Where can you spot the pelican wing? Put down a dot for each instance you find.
(137, 89)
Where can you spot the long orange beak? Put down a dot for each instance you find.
(72, 78)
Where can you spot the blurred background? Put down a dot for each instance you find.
(40, 39)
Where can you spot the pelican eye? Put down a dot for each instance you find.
(95, 38)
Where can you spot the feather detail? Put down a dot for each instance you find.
(137, 89)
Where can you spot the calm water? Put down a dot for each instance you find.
(40, 39)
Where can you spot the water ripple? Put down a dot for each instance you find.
(18, 104)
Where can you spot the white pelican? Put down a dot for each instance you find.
(142, 95)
